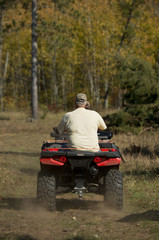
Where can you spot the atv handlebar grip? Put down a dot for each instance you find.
(53, 134)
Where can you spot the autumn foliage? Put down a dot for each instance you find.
(97, 47)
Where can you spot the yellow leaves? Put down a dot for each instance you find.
(46, 13)
(146, 33)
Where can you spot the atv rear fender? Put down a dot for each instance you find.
(80, 159)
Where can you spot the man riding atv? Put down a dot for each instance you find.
(82, 160)
(81, 126)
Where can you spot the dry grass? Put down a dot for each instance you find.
(20, 145)
(20, 137)
(141, 152)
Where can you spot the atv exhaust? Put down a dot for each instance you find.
(93, 170)
(79, 188)
(92, 187)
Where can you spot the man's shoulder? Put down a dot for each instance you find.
(66, 114)
(93, 112)
(76, 111)
(81, 111)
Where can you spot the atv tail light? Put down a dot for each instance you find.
(50, 150)
(55, 160)
(62, 159)
(108, 150)
(106, 161)
(100, 159)
(97, 159)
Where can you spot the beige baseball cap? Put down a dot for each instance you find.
(81, 97)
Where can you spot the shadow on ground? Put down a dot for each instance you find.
(134, 150)
(150, 173)
(77, 238)
(151, 215)
(16, 237)
(29, 154)
(33, 205)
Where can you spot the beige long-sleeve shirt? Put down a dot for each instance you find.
(81, 126)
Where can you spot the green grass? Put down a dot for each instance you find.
(82, 236)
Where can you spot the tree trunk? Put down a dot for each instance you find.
(64, 91)
(34, 86)
(20, 76)
(43, 80)
(107, 95)
(91, 82)
(54, 80)
(1, 74)
(119, 99)
(4, 74)
(96, 79)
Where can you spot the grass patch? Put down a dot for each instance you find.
(83, 236)
(142, 191)
(154, 232)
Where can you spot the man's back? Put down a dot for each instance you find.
(81, 126)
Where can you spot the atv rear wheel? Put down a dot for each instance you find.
(113, 189)
(46, 190)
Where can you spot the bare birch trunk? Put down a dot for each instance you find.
(1, 75)
(90, 62)
(91, 82)
(5, 69)
(6, 65)
(20, 75)
(64, 91)
(54, 80)
(107, 96)
(43, 80)
(119, 99)
(92, 71)
(89, 71)
(34, 85)
(96, 80)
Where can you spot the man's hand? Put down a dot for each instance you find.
(56, 130)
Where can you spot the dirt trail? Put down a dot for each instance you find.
(24, 219)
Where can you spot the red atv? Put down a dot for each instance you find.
(80, 171)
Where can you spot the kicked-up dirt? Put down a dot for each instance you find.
(75, 219)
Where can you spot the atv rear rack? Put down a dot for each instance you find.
(102, 135)
(48, 153)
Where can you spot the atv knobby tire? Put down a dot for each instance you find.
(113, 189)
(46, 190)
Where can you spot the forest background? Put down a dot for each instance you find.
(107, 49)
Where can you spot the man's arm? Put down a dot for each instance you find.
(101, 124)
(61, 128)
